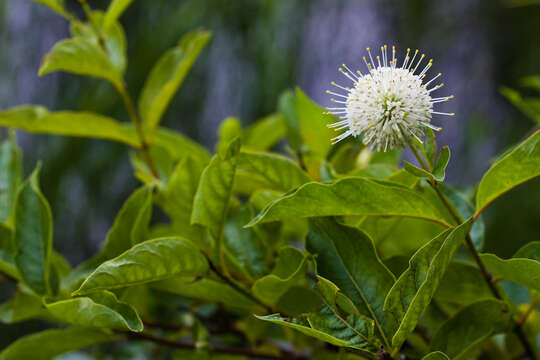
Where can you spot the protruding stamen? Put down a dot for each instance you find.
(443, 113)
(426, 68)
(406, 59)
(350, 71)
(415, 52)
(435, 77)
(370, 57)
(340, 86)
(335, 93)
(379, 60)
(418, 63)
(347, 75)
(367, 64)
(394, 55)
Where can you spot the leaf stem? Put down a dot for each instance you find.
(145, 147)
(518, 330)
(217, 348)
(88, 13)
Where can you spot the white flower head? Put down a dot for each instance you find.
(389, 104)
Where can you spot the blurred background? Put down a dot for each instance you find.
(261, 48)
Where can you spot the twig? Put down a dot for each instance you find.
(145, 147)
(217, 348)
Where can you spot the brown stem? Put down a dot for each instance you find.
(145, 147)
(518, 330)
(217, 348)
(95, 27)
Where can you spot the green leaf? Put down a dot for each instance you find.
(470, 327)
(313, 125)
(229, 129)
(528, 106)
(430, 146)
(151, 260)
(287, 107)
(7, 250)
(463, 284)
(416, 171)
(347, 257)
(274, 171)
(131, 224)
(55, 5)
(10, 175)
(99, 309)
(245, 248)
(304, 328)
(47, 344)
(112, 37)
(114, 11)
(208, 290)
(213, 194)
(356, 329)
(37, 119)
(520, 165)
(265, 133)
(523, 268)
(437, 355)
(350, 196)
(167, 76)
(83, 56)
(177, 198)
(21, 308)
(442, 163)
(412, 292)
(290, 270)
(33, 235)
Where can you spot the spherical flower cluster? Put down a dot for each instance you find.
(389, 104)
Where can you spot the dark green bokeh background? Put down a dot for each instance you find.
(261, 48)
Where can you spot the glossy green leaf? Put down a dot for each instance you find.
(83, 56)
(112, 37)
(436, 355)
(274, 171)
(523, 268)
(313, 125)
(151, 260)
(55, 5)
(208, 290)
(99, 309)
(442, 162)
(229, 129)
(177, 198)
(10, 175)
(347, 257)
(303, 327)
(131, 224)
(290, 270)
(33, 235)
(167, 76)
(356, 329)
(47, 344)
(213, 194)
(430, 146)
(520, 165)
(265, 133)
(37, 119)
(350, 196)
(114, 11)
(416, 171)
(411, 294)
(470, 327)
